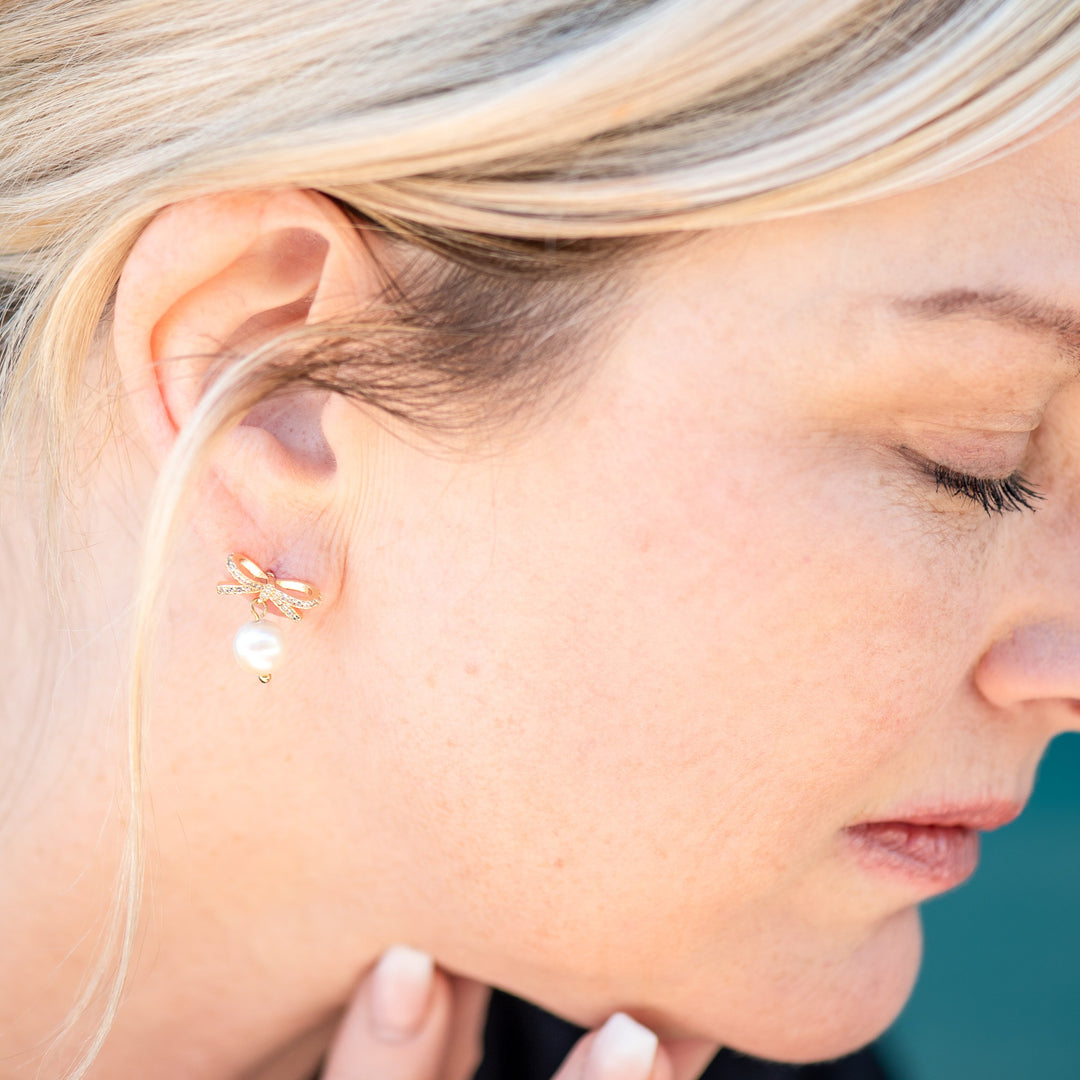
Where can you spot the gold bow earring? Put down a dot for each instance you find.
(259, 645)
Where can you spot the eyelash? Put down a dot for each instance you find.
(994, 496)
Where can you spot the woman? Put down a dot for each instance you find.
(663, 416)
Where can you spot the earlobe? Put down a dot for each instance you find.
(217, 277)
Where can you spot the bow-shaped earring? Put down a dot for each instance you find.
(259, 645)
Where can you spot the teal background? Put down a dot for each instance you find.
(998, 997)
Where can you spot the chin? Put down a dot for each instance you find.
(834, 1011)
(830, 1008)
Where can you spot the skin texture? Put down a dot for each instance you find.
(585, 711)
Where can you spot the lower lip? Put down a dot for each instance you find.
(940, 855)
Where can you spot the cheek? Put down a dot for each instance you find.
(641, 731)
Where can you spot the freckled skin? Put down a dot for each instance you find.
(714, 617)
(591, 712)
(705, 616)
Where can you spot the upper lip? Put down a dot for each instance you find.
(983, 815)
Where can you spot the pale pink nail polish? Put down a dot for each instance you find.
(401, 993)
(622, 1050)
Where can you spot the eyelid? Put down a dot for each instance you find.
(966, 462)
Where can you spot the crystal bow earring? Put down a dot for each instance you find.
(259, 645)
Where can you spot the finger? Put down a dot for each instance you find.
(465, 1048)
(397, 1026)
(690, 1057)
(622, 1049)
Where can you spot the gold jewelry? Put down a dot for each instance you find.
(258, 645)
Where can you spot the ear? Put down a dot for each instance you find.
(206, 277)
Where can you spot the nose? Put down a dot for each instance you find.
(1036, 664)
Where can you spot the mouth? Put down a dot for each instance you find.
(936, 848)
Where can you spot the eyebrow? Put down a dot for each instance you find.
(1006, 306)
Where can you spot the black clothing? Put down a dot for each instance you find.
(523, 1042)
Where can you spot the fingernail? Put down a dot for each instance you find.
(401, 993)
(622, 1050)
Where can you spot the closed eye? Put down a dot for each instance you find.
(995, 496)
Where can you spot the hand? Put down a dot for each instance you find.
(410, 1021)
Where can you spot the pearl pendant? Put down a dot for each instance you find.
(258, 647)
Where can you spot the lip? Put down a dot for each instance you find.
(981, 816)
(934, 848)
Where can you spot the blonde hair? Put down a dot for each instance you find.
(506, 134)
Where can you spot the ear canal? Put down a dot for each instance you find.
(295, 421)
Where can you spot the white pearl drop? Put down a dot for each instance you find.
(258, 647)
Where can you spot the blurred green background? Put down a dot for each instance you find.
(998, 997)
